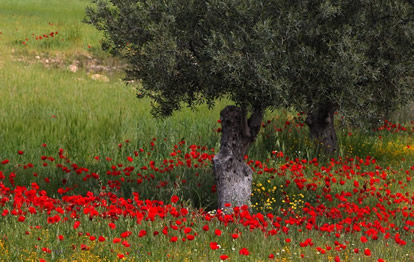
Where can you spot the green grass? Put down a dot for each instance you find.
(21, 19)
(70, 110)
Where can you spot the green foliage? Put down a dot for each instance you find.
(355, 55)
(198, 51)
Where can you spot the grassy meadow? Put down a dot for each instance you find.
(87, 174)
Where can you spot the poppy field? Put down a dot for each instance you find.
(86, 173)
(144, 210)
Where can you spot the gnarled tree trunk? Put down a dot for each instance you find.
(233, 175)
(321, 126)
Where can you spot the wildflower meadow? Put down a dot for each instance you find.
(87, 174)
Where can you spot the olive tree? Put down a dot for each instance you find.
(319, 56)
(351, 57)
(188, 52)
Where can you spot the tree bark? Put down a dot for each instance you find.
(321, 126)
(233, 175)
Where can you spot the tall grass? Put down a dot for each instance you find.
(71, 111)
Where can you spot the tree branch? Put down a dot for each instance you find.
(255, 122)
(244, 123)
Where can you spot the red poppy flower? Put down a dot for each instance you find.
(5, 212)
(46, 250)
(20, 152)
(142, 233)
(214, 245)
(364, 239)
(190, 237)
(235, 236)
(173, 239)
(126, 234)
(244, 252)
(367, 252)
(60, 237)
(101, 239)
(112, 225)
(217, 232)
(116, 240)
(224, 257)
(174, 199)
(288, 240)
(76, 224)
(205, 228)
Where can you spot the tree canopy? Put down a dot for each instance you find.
(198, 51)
(356, 54)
